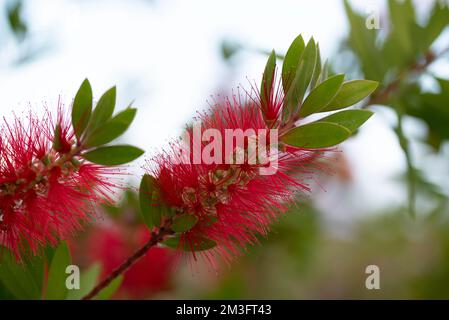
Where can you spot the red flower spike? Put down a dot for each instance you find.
(46, 190)
(233, 202)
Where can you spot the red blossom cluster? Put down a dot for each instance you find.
(233, 203)
(46, 190)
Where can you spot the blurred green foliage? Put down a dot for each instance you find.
(15, 20)
(304, 260)
(398, 55)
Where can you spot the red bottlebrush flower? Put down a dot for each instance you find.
(46, 190)
(112, 244)
(232, 202)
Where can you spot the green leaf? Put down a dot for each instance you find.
(321, 95)
(316, 135)
(109, 291)
(430, 108)
(88, 280)
(15, 19)
(438, 21)
(350, 93)
(172, 242)
(267, 81)
(22, 281)
(49, 253)
(152, 207)
(350, 119)
(158, 208)
(402, 16)
(317, 71)
(113, 155)
(104, 109)
(324, 72)
(199, 244)
(82, 108)
(303, 77)
(36, 266)
(184, 222)
(145, 199)
(363, 42)
(56, 285)
(111, 129)
(291, 62)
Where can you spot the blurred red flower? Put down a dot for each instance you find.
(46, 190)
(111, 244)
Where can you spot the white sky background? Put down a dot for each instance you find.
(166, 55)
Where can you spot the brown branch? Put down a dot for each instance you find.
(384, 94)
(155, 238)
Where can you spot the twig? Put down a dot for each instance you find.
(155, 238)
(411, 173)
(383, 96)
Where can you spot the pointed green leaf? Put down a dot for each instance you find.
(267, 80)
(111, 129)
(184, 222)
(36, 266)
(82, 108)
(49, 252)
(113, 155)
(438, 21)
(350, 93)
(316, 135)
(104, 108)
(350, 119)
(317, 70)
(324, 72)
(303, 77)
(56, 285)
(22, 281)
(172, 242)
(158, 208)
(402, 16)
(363, 42)
(145, 199)
(291, 62)
(321, 95)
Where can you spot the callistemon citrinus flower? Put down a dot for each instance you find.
(45, 190)
(48, 188)
(233, 203)
(247, 158)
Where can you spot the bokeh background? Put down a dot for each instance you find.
(386, 202)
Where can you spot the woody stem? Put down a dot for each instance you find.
(155, 238)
